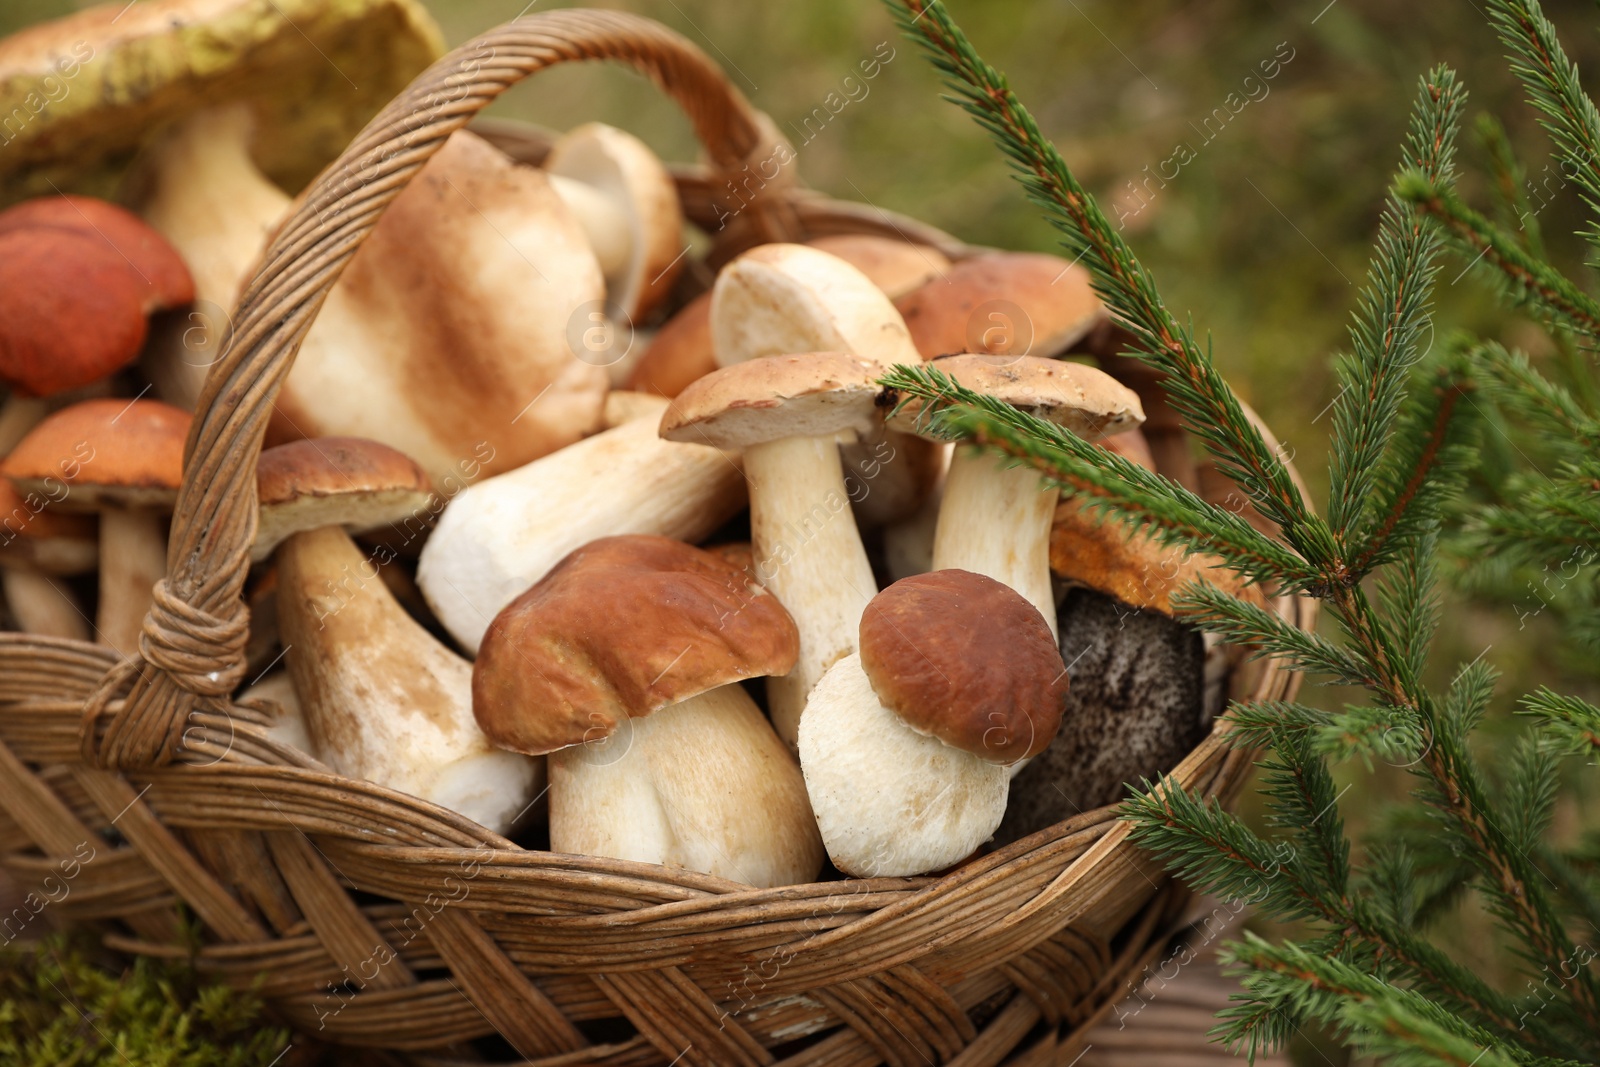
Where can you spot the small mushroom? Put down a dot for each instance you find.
(497, 537)
(351, 482)
(628, 206)
(623, 663)
(382, 698)
(995, 517)
(905, 745)
(37, 546)
(785, 413)
(681, 350)
(1004, 304)
(123, 459)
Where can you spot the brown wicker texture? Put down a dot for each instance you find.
(132, 793)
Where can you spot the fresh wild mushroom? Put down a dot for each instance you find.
(786, 414)
(625, 405)
(1003, 304)
(623, 663)
(382, 698)
(123, 459)
(38, 546)
(905, 745)
(351, 482)
(497, 537)
(995, 517)
(628, 206)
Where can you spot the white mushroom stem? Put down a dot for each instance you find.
(995, 521)
(383, 700)
(609, 232)
(891, 801)
(809, 554)
(207, 198)
(500, 536)
(703, 784)
(43, 606)
(133, 558)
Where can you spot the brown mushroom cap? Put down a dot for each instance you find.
(336, 481)
(968, 660)
(1131, 446)
(767, 399)
(105, 451)
(679, 353)
(77, 279)
(896, 267)
(621, 628)
(1003, 303)
(1087, 401)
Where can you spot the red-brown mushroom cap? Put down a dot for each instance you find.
(622, 627)
(161, 271)
(966, 659)
(1003, 303)
(77, 279)
(105, 451)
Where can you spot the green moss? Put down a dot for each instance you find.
(58, 1007)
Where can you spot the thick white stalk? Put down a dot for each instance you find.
(703, 784)
(133, 558)
(808, 553)
(43, 606)
(384, 700)
(995, 521)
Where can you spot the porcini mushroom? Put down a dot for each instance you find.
(623, 664)
(497, 537)
(1003, 303)
(94, 86)
(628, 206)
(336, 481)
(905, 745)
(123, 459)
(895, 267)
(995, 518)
(785, 413)
(382, 698)
(452, 327)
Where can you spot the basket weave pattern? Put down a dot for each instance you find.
(374, 919)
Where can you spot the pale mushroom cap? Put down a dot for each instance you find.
(1003, 303)
(636, 182)
(451, 333)
(1083, 399)
(781, 298)
(115, 451)
(891, 801)
(963, 658)
(619, 629)
(336, 481)
(115, 73)
(896, 267)
(816, 394)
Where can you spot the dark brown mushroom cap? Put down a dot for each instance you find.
(621, 628)
(813, 394)
(966, 659)
(337, 481)
(111, 450)
(1004, 303)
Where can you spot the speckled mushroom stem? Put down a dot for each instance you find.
(995, 521)
(133, 558)
(808, 552)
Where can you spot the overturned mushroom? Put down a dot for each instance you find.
(1003, 303)
(786, 412)
(123, 459)
(905, 745)
(382, 698)
(497, 537)
(623, 664)
(995, 517)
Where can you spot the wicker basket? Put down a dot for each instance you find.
(140, 792)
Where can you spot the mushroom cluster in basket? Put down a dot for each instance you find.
(609, 545)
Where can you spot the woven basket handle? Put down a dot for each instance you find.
(191, 653)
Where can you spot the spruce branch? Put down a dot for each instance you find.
(1573, 722)
(1509, 176)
